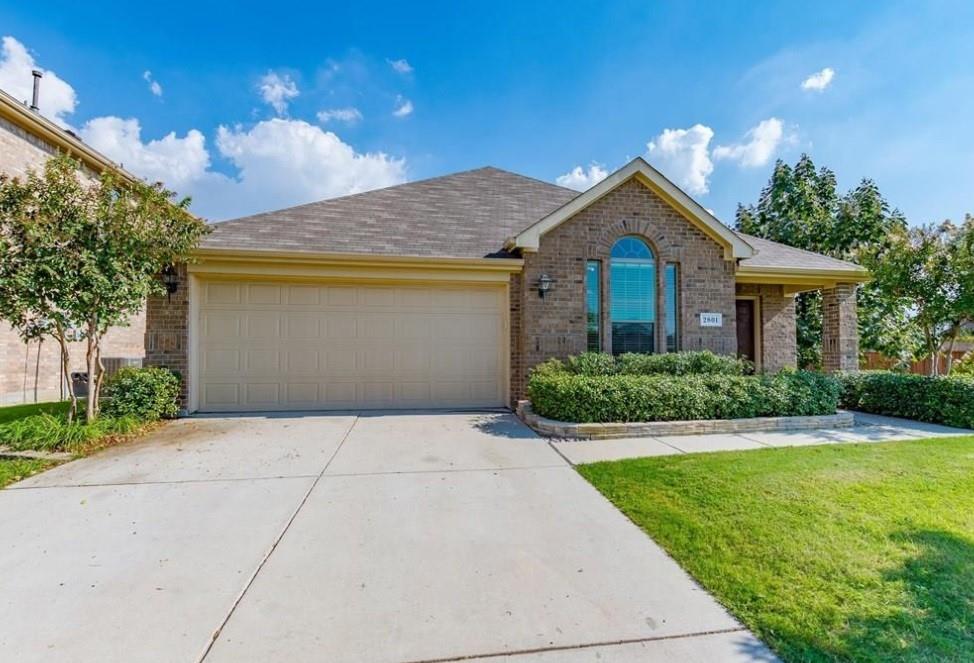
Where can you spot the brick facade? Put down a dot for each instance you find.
(167, 331)
(778, 339)
(20, 362)
(840, 328)
(556, 325)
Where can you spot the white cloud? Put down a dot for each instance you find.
(278, 162)
(178, 162)
(580, 179)
(285, 162)
(403, 108)
(401, 66)
(154, 86)
(348, 115)
(819, 80)
(56, 98)
(276, 90)
(758, 147)
(683, 155)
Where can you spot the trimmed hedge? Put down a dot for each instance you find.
(565, 396)
(937, 400)
(146, 393)
(671, 363)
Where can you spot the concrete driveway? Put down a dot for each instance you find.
(398, 537)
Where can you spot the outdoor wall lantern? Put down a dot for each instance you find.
(544, 285)
(170, 279)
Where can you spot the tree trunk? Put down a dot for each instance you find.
(66, 372)
(954, 331)
(37, 365)
(91, 411)
(928, 337)
(101, 372)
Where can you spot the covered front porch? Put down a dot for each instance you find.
(767, 331)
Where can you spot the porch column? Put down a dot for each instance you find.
(840, 332)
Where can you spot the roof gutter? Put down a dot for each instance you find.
(36, 124)
(357, 259)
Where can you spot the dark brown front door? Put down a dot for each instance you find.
(745, 329)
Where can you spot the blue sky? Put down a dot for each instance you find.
(259, 109)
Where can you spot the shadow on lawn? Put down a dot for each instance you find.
(935, 622)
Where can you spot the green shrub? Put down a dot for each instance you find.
(47, 432)
(592, 363)
(938, 400)
(621, 398)
(964, 367)
(671, 363)
(683, 363)
(146, 393)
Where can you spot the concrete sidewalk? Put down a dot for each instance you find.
(868, 428)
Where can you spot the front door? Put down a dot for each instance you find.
(745, 330)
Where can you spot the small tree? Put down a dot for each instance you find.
(81, 255)
(930, 270)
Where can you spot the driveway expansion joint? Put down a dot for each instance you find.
(109, 484)
(287, 525)
(585, 645)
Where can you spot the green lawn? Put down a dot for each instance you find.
(842, 552)
(20, 411)
(12, 470)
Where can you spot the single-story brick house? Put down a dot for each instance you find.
(445, 292)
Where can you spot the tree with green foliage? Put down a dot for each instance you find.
(801, 207)
(930, 270)
(79, 255)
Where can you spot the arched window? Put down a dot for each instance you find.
(632, 296)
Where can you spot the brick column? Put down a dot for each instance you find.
(840, 332)
(167, 331)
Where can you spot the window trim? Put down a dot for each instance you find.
(597, 264)
(676, 308)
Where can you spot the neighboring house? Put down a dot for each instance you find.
(33, 371)
(445, 292)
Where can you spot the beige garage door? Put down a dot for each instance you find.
(290, 346)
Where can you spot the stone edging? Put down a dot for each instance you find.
(551, 428)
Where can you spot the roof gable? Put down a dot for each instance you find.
(734, 246)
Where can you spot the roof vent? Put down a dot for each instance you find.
(37, 89)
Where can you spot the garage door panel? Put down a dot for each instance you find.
(302, 363)
(297, 393)
(278, 346)
(221, 324)
(216, 394)
(302, 295)
(263, 362)
(263, 294)
(301, 325)
(263, 325)
(222, 293)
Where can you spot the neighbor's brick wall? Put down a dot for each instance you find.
(19, 152)
(555, 326)
(167, 331)
(840, 328)
(779, 336)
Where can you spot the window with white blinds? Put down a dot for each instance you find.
(632, 277)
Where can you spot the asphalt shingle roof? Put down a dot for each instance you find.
(464, 215)
(775, 255)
